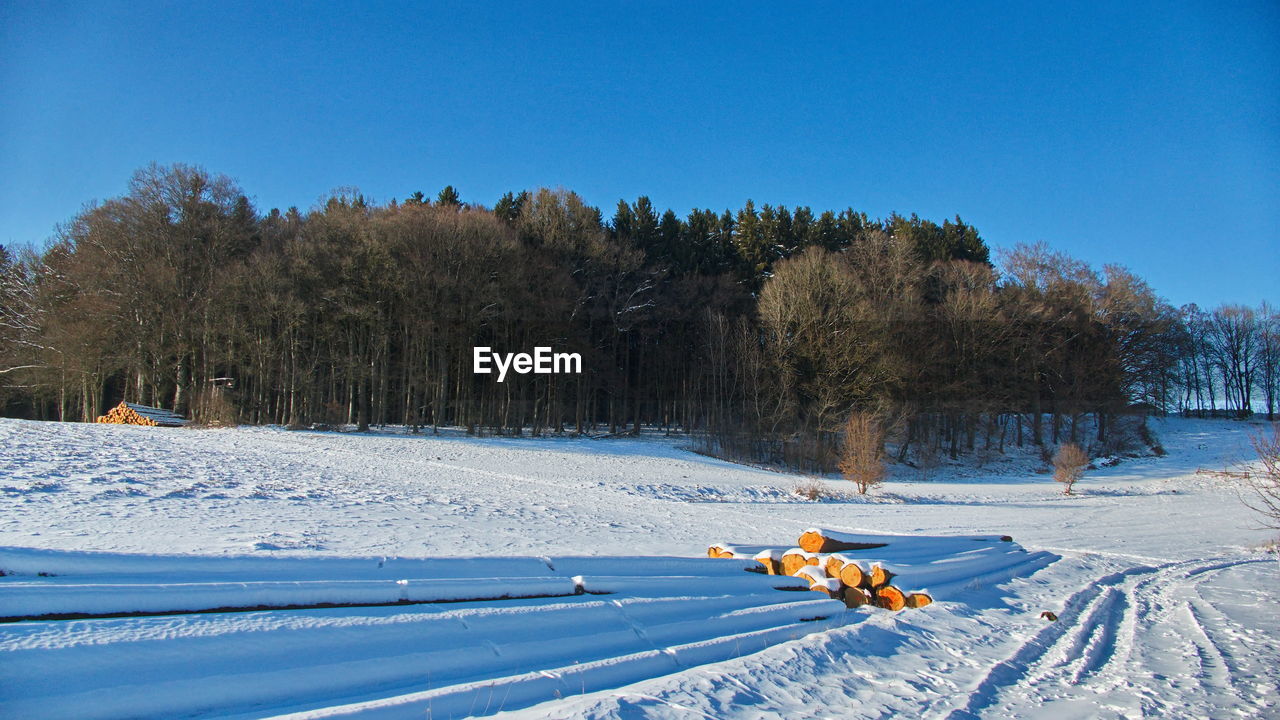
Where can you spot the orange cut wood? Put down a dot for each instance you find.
(771, 566)
(918, 600)
(813, 574)
(791, 562)
(877, 576)
(855, 597)
(130, 414)
(829, 587)
(890, 598)
(815, 542)
(851, 574)
(835, 564)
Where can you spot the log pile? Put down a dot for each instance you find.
(132, 414)
(830, 566)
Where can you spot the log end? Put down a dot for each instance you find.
(814, 575)
(771, 566)
(890, 598)
(855, 597)
(876, 576)
(827, 586)
(851, 574)
(792, 563)
(918, 600)
(811, 541)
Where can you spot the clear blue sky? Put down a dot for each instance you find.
(1143, 134)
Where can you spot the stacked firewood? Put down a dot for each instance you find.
(132, 414)
(830, 566)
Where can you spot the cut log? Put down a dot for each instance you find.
(793, 560)
(817, 540)
(133, 414)
(876, 576)
(771, 560)
(742, 552)
(835, 563)
(830, 587)
(855, 597)
(814, 574)
(720, 551)
(919, 600)
(890, 598)
(851, 574)
(829, 541)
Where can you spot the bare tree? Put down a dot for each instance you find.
(1268, 357)
(862, 451)
(1069, 464)
(1265, 482)
(1233, 340)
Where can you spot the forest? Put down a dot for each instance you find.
(758, 329)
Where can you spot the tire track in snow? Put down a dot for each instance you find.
(1213, 663)
(1109, 627)
(1247, 673)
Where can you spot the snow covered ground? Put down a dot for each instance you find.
(1165, 601)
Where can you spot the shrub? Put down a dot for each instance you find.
(1265, 482)
(811, 490)
(862, 451)
(1069, 464)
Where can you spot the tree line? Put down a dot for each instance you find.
(761, 329)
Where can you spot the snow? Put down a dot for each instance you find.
(812, 573)
(1165, 599)
(160, 415)
(36, 599)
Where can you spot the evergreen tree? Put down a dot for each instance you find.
(750, 244)
(644, 227)
(670, 249)
(622, 227)
(448, 197)
(509, 207)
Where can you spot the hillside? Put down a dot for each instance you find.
(1163, 596)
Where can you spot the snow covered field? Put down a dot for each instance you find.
(1165, 601)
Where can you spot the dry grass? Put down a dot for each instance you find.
(1224, 474)
(862, 451)
(1069, 464)
(811, 490)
